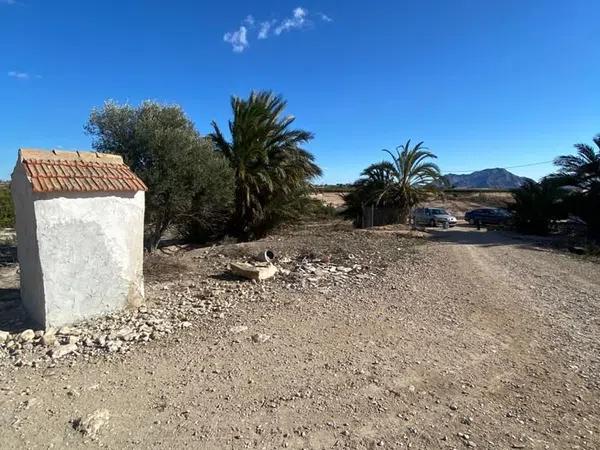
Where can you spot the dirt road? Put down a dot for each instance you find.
(471, 339)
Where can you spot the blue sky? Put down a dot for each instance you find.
(483, 83)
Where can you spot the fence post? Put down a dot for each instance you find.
(362, 215)
(372, 215)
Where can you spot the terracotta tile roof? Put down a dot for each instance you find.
(74, 171)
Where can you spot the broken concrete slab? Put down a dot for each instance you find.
(254, 272)
(62, 350)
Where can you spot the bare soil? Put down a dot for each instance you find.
(463, 339)
(456, 203)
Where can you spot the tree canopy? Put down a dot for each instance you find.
(7, 212)
(272, 170)
(581, 171)
(189, 184)
(401, 183)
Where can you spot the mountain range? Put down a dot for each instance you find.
(487, 178)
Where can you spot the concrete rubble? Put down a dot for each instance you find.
(256, 272)
(174, 305)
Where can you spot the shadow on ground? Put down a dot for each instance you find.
(490, 238)
(13, 317)
(8, 254)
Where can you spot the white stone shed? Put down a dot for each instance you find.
(80, 226)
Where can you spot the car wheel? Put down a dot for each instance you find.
(471, 222)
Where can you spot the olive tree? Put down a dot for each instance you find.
(190, 186)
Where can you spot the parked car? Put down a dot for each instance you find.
(488, 216)
(433, 217)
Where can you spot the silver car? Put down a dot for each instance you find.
(433, 217)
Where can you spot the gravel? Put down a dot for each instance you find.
(376, 339)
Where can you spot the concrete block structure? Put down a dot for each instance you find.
(80, 226)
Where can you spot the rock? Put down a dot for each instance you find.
(92, 423)
(254, 272)
(101, 340)
(113, 346)
(62, 350)
(4, 335)
(238, 329)
(26, 336)
(123, 332)
(260, 338)
(48, 340)
(67, 331)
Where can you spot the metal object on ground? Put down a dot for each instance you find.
(266, 256)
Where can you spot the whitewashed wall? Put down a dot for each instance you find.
(32, 286)
(81, 254)
(91, 253)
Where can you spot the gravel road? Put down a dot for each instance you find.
(465, 339)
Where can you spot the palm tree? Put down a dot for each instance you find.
(367, 190)
(414, 176)
(381, 173)
(400, 183)
(582, 171)
(537, 204)
(271, 168)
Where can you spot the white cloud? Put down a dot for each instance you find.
(298, 20)
(19, 75)
(250, 27)
(238, 39)
(265, 28)
(324, 17)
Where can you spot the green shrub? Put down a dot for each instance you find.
(7, 212)
(581, 173)
(272, 170)
(537, 204)
(190, 186)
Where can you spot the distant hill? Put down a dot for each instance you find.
(487, 178)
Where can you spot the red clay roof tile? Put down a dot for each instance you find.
(63, 171)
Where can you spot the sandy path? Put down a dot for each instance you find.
(476, 334)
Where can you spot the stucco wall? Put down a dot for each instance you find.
(91, 253)
(32, 287)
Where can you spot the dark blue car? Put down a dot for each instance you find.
(488, 216)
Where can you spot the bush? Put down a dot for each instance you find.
(537, 204)
(396, 186)
(190, 186)
(272, 169)
(7, 212)
(581, 173)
